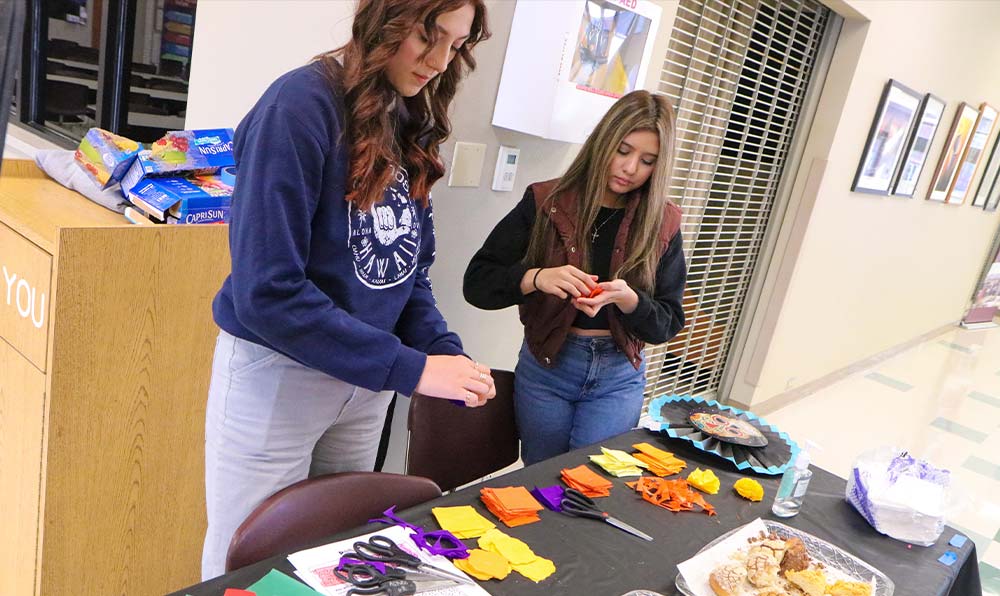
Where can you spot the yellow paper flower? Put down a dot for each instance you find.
(749, 489)
(704, 480)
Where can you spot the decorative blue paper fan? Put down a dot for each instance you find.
(674, 415)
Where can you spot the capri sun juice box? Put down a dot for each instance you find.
(199, 198)
(180, 153)
(105, 156)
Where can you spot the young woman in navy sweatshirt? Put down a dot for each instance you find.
(594, 260)
(328, 310)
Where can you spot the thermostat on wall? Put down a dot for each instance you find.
(503, 175)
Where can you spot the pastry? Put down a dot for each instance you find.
(796, 557)
(842, 588)
(778, 546)
(810, 581)
(727, 580)
(762, 567)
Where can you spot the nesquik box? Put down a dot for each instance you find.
(181, 153)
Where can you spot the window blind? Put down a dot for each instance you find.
(737, 72)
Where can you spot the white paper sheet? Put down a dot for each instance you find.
(697, 569)
(315, 566)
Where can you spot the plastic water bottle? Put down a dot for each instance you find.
(793, 487)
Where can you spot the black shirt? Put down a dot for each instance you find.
(493, 278)
(602, 245)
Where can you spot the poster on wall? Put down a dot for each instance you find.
(993, 201)
(567, 61)
(958, 140)
(986, 183)
(915, 155)
(897, 109)
(973, 154)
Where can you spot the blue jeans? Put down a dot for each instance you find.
(593, 393)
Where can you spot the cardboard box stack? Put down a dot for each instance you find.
(185, 177)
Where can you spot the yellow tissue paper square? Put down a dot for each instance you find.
(614, 467)
(512, 549)
(489, 537)
(623, 457)
(537, 570)
(520, 555)
(484, 565)
(462, 521)
(470, 570)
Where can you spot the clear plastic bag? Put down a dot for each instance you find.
(899, 495)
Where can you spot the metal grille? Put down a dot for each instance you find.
(737, 72)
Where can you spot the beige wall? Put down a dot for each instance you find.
(240, 47)
(266, 38)
(873, 272)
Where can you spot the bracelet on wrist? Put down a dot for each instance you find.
(534, 280)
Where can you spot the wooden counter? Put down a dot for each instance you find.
(107, 340)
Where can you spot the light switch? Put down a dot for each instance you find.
(467, 164)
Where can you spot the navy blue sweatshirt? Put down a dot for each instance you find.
(343, 291)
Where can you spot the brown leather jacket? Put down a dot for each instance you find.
(547, 318)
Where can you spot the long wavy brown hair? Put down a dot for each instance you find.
(357, 69)
(587, 178)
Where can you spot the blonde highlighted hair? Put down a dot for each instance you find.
(587, 179)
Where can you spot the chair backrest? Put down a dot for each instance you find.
(316, 508)
(66, 99)
(454, 445)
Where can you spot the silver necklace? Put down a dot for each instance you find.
(597, 230)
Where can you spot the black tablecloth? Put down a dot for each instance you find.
(593, 558)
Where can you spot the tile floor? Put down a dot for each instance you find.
(940, 400)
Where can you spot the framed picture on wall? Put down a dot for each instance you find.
(915, 153)
(570, 60)
(994, 197)
(986, 183)
(969, 164)
(991, 183)
(951, 155)
(897, 110)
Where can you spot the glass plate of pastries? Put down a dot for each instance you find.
(766, 558)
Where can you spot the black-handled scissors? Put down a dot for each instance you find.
(369, 577)
(577, 504)
(379, 549)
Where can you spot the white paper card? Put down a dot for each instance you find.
(315, 565)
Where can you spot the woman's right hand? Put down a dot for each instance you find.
(458, 378)
(563, 282)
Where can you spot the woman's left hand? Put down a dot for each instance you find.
(616, 291)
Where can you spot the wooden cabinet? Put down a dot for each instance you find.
(107, 339)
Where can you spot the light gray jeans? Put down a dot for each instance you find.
(270, 423)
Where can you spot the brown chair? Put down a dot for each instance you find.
(316, 508)
(455, 445)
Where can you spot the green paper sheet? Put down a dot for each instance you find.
(276, 583)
